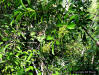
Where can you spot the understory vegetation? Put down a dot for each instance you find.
(49, 37)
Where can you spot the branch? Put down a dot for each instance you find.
(89, 34)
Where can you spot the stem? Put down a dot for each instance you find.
(89, 34)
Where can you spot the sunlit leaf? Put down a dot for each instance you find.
(31, 10)
(32, 34)
(0, 56)
(71, 26)
(29, 68)
(41, 38)
(29, 56)
(53, 48)
(1, 43)
(50, 37)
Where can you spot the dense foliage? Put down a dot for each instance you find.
(45, 37)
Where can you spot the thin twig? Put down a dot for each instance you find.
(89, 34)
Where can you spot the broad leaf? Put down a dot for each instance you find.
(71, 26)
(50, 37)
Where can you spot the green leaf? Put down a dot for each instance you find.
(1, 43)
(74, 17)
(22, 4)
(19, 16)
(0, 56)
(41, 38)
(59, 25)
(29, 2)
(20, 72)
(18, 47)
(6, 46)
(3, 48)
(32, 34)
(12, 22)
(53, 48)
(50, 37)
(66, 16)
(23, 36)
(29, 56)
(16, 12)
(29, 68)
(30, 73)
(5, 39)
(31, 10)
(71, 26)
(56, 73)
(57, 42)
(39, 73)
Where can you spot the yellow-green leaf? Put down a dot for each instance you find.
(71, 26)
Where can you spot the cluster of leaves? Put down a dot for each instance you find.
(42, 37)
